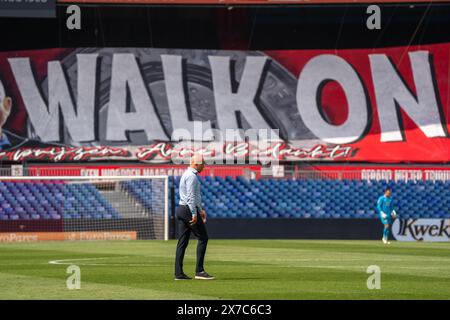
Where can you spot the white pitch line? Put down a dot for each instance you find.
(66, 261)
(74, 261)
(339, 259)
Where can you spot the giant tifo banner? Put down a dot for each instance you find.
(144, 104)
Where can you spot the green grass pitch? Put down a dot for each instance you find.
(245, 269)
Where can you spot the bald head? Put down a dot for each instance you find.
(197, 159)
(197, 162)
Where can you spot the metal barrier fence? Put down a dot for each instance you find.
(125, 170)
(441, 173)
(323, 175)
(249, 172)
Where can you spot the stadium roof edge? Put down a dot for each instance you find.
(250, 2)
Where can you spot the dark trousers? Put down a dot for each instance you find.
(183, 215)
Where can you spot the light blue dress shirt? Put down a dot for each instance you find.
(190, 193)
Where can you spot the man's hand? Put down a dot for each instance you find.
(383, 215)
(203, 215)
(5, 110)
(193, 221)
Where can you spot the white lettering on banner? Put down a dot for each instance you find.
(130, 107)
(173, 76)
(376, 174)
(139, 171)
(121, 172)
(231, 104)
(421, 230)
(163, 171)
(127, 82)
(437, 175)
(79, 120)
(89, 172)
(406, 175)
(322, 69)
(391, 92)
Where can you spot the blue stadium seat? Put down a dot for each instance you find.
(231, 197)
(319, 198)
(52, 200)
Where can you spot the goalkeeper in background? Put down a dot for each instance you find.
(385, 207)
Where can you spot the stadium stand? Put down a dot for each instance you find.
(320, 198)
(41, 200)
(148, 193)
(232, 198)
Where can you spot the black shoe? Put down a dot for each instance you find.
(182, 277)
(203, 276)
